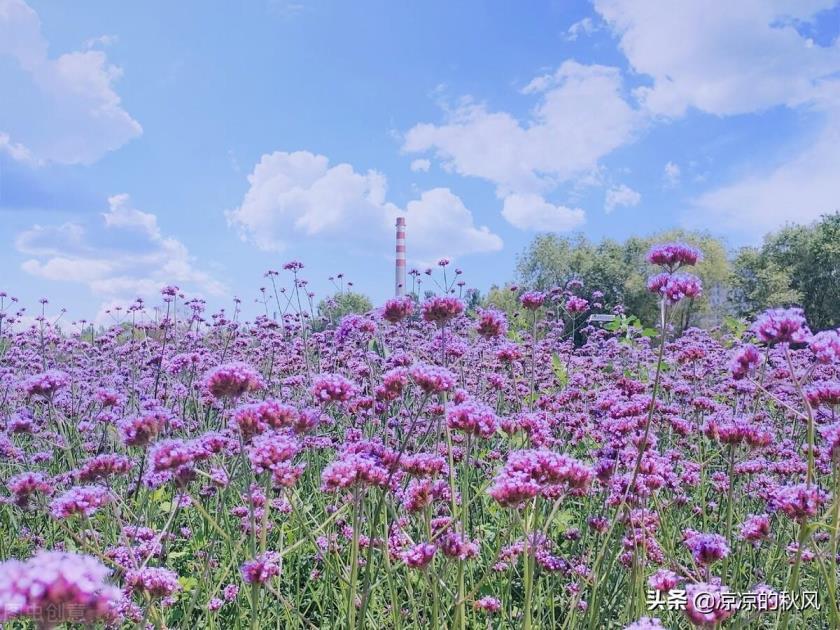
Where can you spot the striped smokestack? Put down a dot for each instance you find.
(399, 280)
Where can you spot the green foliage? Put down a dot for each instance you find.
(472, 299)
(798, 265)
(627, 326)
(343, 303)
(506, 299)
(621, 271)
(561, 374)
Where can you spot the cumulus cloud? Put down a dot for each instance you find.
(730, 58)
(300, 194)
(532, 212)
(621, 195)
(73, 115)
(580, 117)
(723, 58)
(124, 256)
(439, 224)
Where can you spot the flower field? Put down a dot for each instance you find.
(424, 465)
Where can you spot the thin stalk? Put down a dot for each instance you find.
(354, 561)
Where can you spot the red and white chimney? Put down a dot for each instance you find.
(399, 280)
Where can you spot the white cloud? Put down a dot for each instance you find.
(621, 195)
(439, 224)
(730, 58)
(17, 151)
(420, 165)
(723, 58)
(531, 212)
(72, 114)
(300, 195)
(798, 190)
(586, 26)
(125, 256)
(102, 41)
(672, 173)
(580, 117)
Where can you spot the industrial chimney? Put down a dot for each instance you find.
(399, 280)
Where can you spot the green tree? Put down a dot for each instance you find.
(333, 308)
(620, 271)
(798, 265)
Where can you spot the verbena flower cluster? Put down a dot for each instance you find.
(429, 464)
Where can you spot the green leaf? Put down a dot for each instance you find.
(187, 583)
(560, 372)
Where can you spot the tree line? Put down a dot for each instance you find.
(794, 266)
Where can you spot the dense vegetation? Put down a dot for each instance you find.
(425, 466)
(796, 266)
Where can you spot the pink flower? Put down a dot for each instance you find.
(171, 454)
(745, 360)
(663, 580)
(831, 435)
(826, 346)
(529, 473)
(54, 587)
(46, 383)
(424, 464)
(441, 310)
(508, 353)
(230, 592)
(532, 300)
(799, 502)
(455, 545)
(432, 379)
(705, 548)
(27, 484)
(825, 393)
(393, 383)
(491, 323)
(705, 605)
(673, 255)
(142, 429)
(269, 449)
(397, 309)
(487, 604)
(153, 581)
(255, 418)
(262, 568)
(576, 305)
(419, 556)
(351, 469)
(674, 287)
(332, 388)
(474, 418)
(80, 500)
(782, 325)
(421, 493)
(103, 466)
(354, 327)
(232, 380)
(755, 527)
(285, 474)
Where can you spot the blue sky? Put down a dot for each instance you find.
(200, 144)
